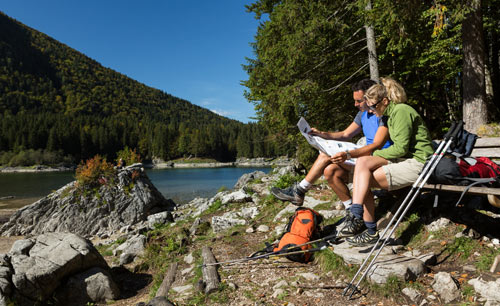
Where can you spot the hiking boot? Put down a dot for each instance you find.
(363, 239)
(351, 226)
(295, 194)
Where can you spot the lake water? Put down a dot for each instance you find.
(180, 185)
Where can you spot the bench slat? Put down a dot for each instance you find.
(487, 142)
(473, 190)
(487, 152)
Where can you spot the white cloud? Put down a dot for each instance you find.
(222, 113)
(208, 101)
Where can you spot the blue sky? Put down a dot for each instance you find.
(190, 49)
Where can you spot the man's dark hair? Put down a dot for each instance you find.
(363, 85)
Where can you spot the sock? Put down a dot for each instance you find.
(371, 226)
(347, 204)
(305, 185)
(357, 210)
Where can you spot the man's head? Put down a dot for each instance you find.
(358, 92)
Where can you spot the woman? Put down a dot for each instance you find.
(392, 168)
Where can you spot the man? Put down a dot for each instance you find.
(333, 167)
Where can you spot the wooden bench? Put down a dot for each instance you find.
(488, 147)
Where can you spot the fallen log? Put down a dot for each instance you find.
(210, 275)
(167, 281)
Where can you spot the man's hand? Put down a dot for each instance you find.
(315, 132)
(339, 158)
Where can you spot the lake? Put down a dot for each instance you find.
(180, 185)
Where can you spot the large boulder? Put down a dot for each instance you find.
(36, 273)
(128, 201)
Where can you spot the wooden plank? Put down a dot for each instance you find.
(167, 281)
(472, 190)
(487, 142)
(487, 152)
(210, 275)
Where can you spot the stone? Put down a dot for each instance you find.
(226, 221)
(248, 177)
(279, 229)
(130, 249)
(487, 289)
(412, 294)
(52, 257)
(263, 228)
(232, 285)
(238, 196)
(446, 287)
(469, 268)
(355, 255)
(249, 212)
(159, 301)
(278, 292)
(189, 259)
(68, 210)
(250, 230)
(92, 286)
(405, 268)
(159, 219)
(280, 284)
(21, 247)
(188, 270)
(438, 224)
(183, 289)
(309, 276)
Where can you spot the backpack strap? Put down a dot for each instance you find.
(476, 181)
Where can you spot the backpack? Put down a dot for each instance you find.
(447, 172)
(483, 168)
(302, 227)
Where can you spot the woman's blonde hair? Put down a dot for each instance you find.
(395, 92)
(376, 93)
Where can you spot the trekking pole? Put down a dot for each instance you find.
(273, 254)
(422, 179)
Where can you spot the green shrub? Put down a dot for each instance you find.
(287, 180)
(95, 172)
(128, 156)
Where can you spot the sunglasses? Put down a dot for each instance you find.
(373, 107)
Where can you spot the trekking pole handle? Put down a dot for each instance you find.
(450, 130)
(458, 128)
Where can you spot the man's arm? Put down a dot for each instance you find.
(352, 130)
(381, 137)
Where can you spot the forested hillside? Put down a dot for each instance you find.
(55, 99)
(307, 53)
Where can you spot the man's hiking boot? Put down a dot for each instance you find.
(295, 194)
(363, 239)
(351, 225)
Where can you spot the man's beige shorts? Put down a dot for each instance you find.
(402, 172)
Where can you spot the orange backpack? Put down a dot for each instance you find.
(302, 227)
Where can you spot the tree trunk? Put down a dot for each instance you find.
(474, 94)
(372, 48)
(210, 275)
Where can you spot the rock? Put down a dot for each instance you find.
(309, 276)
(52, 257)
(280, 284)
(250, 230)
(438, 224)
(159, 301)
(405, 268)
(233, 286)
(446, 287)
(130, 249)
(279, 229)
(187, 270)
(248, 177)
(226, 221)
(189, 259)
(249, 212)
(238, 196)
(91, 286)
(21, 247)
(159, 219)
(487, 289)
(183, 289)
(199, 227)
(469, 268)
(355, 255)
(5, 276)
(129, 202)
(412, 294)
(330, 214)
(263, 228)
(277, 293)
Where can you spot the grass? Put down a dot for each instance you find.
(392, 288)
(329, 261)
(462, 248)
(287, 180)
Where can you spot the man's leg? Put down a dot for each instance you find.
(296, 193)
(337, 177)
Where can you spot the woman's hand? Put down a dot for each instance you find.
(339, 158)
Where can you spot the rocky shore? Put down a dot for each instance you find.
(437, 257)
(240, 162)
(36, 169)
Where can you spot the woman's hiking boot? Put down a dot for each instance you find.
(363, 239)
(351, 225)
(294, 194)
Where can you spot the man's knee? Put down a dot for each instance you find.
(332, 171)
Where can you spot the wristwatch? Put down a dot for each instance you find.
(348, 155)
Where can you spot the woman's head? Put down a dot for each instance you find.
(395, 92)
